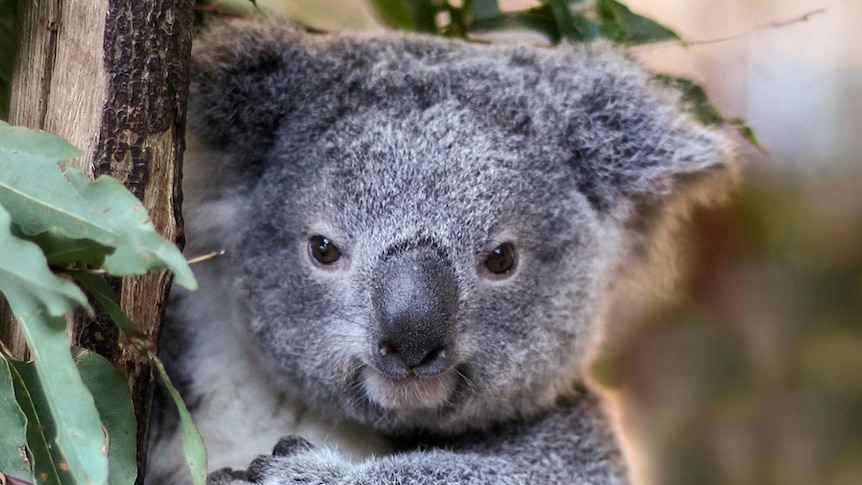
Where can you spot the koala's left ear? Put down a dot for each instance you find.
(247, 76)
(633, 143)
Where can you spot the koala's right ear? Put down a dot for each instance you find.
(244, 77)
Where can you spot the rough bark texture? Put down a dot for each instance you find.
(110, 76)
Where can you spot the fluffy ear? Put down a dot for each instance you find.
(633, 143)
(246, 76)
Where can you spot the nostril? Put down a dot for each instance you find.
(395, 363)
(387, 349)
(432, 364)
(438, 353)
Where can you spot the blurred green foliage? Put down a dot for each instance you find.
(756, 378)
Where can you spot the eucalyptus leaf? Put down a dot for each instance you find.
(38, 300)
(13, 421)
(104, 295)
(114, 402)
(193, 443)
(624, 26)
(41, 431)
(82, 444)
(138, 247)
(564, 19)
(41, 200)
(27, 282)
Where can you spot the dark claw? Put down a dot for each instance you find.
(291, 445)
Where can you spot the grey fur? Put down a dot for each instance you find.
(424, 153)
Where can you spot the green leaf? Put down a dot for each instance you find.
(564, 19)
(695, 100)
(13, 421)
(193, 444)
(27, 282)
(747, 132)
(138, 247)
(114, 403)
(38, 300)
(80, 439)
(71, 207)
(41, 431)
(36, 144)
(624, 26)
(539, 19)
(394, 13)
(104, 294)
(62, 252)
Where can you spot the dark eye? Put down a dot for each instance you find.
(323, 250)
(501, 259)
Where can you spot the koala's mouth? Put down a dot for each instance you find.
(411, 393)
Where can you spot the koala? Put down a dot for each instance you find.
(422, 240)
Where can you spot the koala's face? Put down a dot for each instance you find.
(417, 272)
(429, 227)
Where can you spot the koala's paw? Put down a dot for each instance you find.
(295, 460)
(226, 476)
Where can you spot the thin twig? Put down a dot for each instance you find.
(772, 25)
(205, 257)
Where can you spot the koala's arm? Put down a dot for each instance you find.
(571, 445)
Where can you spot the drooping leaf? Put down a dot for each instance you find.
(114, 402)
(38, 300)
(13, 422)
(193, 444)
(69, 207)
(104, 294)
(79, 436)
(624, 26)
(41, 431)
(27, 282)
(138, 247)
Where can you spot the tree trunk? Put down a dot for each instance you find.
(111, 77)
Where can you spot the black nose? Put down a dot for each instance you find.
(415, 299)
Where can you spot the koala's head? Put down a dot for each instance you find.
(427, 229)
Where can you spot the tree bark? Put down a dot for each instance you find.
(111, 77)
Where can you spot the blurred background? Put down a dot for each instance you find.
(752, 372)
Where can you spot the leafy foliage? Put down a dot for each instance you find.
(575, 21)
(76, 408)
